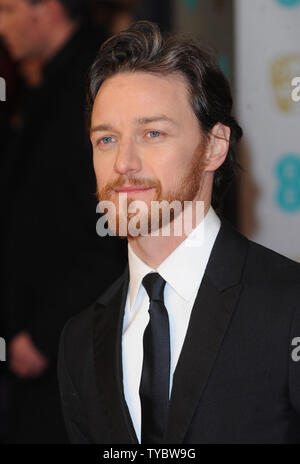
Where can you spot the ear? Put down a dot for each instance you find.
(218, 145)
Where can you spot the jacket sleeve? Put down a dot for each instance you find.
(72, 408)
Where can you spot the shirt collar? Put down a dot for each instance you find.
(137, 271)
(183, 269)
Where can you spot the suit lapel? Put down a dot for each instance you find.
(215, 302)
(108, 323)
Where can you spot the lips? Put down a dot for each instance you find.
(131, 188)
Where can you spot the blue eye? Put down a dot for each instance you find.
(153, 132)
(104, 140)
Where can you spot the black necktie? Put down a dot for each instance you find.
(154, 386)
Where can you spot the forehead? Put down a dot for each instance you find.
(136, 92)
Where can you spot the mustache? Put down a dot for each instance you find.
(128, 180)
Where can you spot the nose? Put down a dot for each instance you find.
(128, 159)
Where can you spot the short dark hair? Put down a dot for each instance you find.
(142, 47)
(75, 9)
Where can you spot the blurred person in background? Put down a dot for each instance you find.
(8, 104)
(114, 15)
(54, 262)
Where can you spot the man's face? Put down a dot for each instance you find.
(146, 139)
(19, 28)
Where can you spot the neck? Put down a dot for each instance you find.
(153, 250)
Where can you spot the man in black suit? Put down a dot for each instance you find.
(197, 342)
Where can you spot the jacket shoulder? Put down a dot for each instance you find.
(264, 263)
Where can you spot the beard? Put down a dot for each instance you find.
(185, 190)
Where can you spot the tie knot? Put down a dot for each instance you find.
(154, 285)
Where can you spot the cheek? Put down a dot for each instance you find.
(102, 162)
(22, 34)
(172, 166)
(13, 27)
(103, 167)
(163, 161)
(23, 23)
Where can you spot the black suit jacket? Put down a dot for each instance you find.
(235, 381)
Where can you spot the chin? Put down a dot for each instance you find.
(16, 55)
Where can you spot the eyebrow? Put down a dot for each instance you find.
(138, 121)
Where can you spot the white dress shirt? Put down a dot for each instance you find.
(183, 271)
